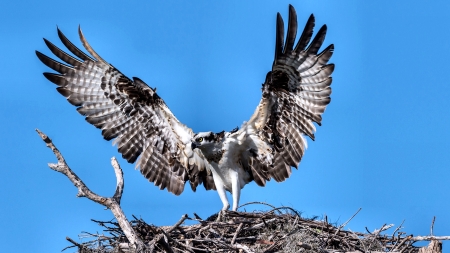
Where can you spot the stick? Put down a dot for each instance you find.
(402, 242)
(161, 241)
(237, 232)
(256, 202)
(243, 247)
(398, 228)
(183, 218)
(432, 225)
(343, 225)
(112, 203)
(430, 238)
(383, 228)
(74, 242)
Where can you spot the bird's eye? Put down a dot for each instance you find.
(200, 139)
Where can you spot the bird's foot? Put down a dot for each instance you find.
(221, 215)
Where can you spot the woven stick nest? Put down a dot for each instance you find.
(278, 230)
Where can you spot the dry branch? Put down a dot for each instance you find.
(112, 203)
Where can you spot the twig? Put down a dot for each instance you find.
(68, 247)
(256, 202)
(264, 223)
(432, 225)
(197, 217)
(285, 207)
(398, 228)
(376, 232)
(183, 218)
(74, 242)
(237, 232)
(120, 182)
(402, 242)
(430, 238)
(359, 239)
(383, 228)
(164, 244)
(345, 223)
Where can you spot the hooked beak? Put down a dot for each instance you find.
(193, 146)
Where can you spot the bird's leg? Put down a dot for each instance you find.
(235, 189)
(222, 194)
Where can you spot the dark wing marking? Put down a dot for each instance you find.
(295, 94)
(130, 112)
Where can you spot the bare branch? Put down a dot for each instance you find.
(402, 242)
(383, 228)
(74, 242)
(398, 228)
(84, 191)
(256, 202)
(430, 238)
(345, 223)
(161, 241)
(120, 182)
(183, 218)
(237, 232)
(432, 225)
(62, 167)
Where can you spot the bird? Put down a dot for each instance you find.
(295, 94)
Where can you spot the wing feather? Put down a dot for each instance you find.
(72, 48)
(131, 112)
(306, 34)
(317, 41)
(295, 94)
(292, 30)
(258, 171)
(113, 129)
(57, 66)
(62, 55)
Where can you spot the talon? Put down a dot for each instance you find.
(219, 216)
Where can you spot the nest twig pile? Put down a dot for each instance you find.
(278, 230)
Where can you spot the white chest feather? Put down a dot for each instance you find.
(224, 174)
(228, 167)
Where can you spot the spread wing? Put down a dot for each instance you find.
(132, 113)
(294, 95)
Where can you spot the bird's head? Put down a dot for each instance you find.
(203, 140)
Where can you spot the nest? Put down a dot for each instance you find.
(281, 229)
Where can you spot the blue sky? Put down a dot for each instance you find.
(383, 145)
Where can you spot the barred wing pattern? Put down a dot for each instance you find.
(295, 95)
(132, 113)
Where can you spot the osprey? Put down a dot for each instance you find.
(168, 153)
